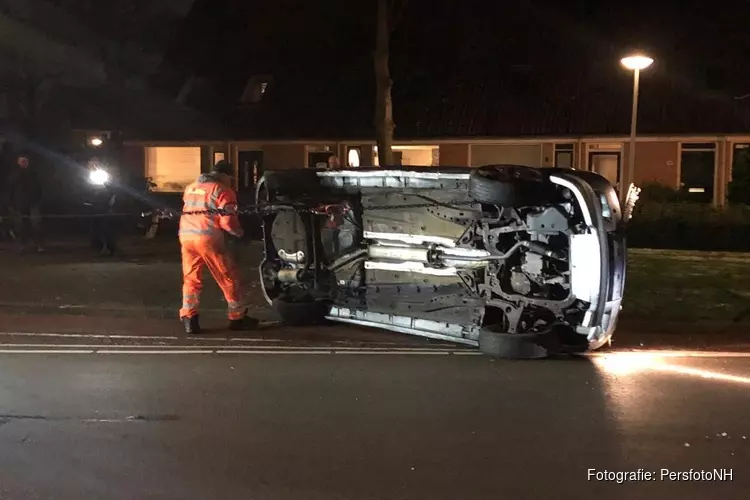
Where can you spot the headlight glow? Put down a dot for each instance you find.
(99, 177)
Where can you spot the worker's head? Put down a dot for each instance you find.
(23, 161)
(224, 172)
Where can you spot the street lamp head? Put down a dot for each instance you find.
(637, 62)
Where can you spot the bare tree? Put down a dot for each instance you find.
(388, 14)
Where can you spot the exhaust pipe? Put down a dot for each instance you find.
(409, 254)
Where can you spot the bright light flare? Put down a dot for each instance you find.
(99, 177)
(622, 364)
(626, 363)
(636, 62)
(96, 141)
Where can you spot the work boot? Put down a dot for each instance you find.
(246, 323)
(191, 325)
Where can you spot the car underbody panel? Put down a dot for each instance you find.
(447, 253)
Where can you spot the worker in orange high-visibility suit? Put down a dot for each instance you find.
(203, 245)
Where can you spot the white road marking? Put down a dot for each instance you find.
(152, 350)
(174, 337)
(199, 339)
(388, 348)
(355, 350)
(155, 351)
(242, 345)
(416, 351)
(236, 339)
(261, 351)
(235, 348)
(46, 351)
(87, 336)
(231, 350)
(131, 347)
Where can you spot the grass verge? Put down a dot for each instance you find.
(671, 285)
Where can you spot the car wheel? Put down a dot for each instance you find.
(537, 345)
(301, 313)
(506, 185)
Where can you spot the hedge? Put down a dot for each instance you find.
(662, 219)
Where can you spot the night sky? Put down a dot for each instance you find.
(689, 39)
(326, 47)
(695, 39)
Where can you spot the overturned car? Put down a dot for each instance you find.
(518, 261)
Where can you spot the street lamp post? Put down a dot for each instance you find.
(635, 63)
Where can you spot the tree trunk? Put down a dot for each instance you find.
(383, 104)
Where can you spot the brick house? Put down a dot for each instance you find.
(292, 97)
(685, 141)
(701, 165)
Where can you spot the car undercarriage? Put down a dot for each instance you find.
(521, 262)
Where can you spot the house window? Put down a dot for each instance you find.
(697, 167)
(423, 156)
(738, 190)
(741, 157)
(256, 88)
(564, 155)
(529, 155)
(171, 169)
(318, 159)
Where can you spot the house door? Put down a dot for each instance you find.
(606, 164)
(250, 170)
(398, 157)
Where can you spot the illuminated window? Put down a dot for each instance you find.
(353, 157)
(173, 168)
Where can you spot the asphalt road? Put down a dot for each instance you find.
(354, 425)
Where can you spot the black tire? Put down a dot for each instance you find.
(507, 185)
(301, 313)
(519, 345)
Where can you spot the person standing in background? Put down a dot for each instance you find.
(6, 222)
(25, 196)
(334, 163)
